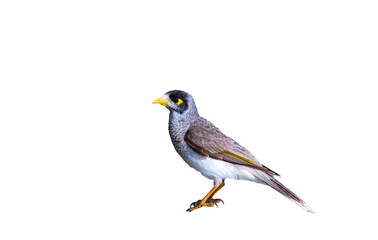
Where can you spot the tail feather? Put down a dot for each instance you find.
(275, 184)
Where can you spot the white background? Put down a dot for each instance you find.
(85, 155)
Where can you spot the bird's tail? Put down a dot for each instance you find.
(275, 184)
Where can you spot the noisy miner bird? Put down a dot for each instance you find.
(216, 156)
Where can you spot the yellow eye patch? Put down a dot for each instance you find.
(179, 101)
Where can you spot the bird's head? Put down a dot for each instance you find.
(178, 101)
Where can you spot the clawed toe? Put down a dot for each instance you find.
(209, 203)
(217, 200)
(208, 200)
(195, 204)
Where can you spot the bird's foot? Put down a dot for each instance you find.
(209, 203)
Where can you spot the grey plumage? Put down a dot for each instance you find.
(208, 140)
(204, 147)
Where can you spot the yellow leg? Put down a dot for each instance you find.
(220, 186)
(208, 200)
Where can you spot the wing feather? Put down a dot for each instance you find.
(206, 139)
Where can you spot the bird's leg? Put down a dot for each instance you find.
(208, 200)
(219, 187)
(217, 200)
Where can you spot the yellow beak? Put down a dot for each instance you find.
(160, 101)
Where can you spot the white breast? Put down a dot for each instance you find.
(216, 169)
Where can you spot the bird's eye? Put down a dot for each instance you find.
(176, 100)
(179, 101)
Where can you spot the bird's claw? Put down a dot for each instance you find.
(209, 203)
(216, 201)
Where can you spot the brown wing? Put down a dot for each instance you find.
(209, 141)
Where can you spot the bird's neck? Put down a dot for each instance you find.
(179, 125)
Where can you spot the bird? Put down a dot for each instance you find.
(216, 156)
